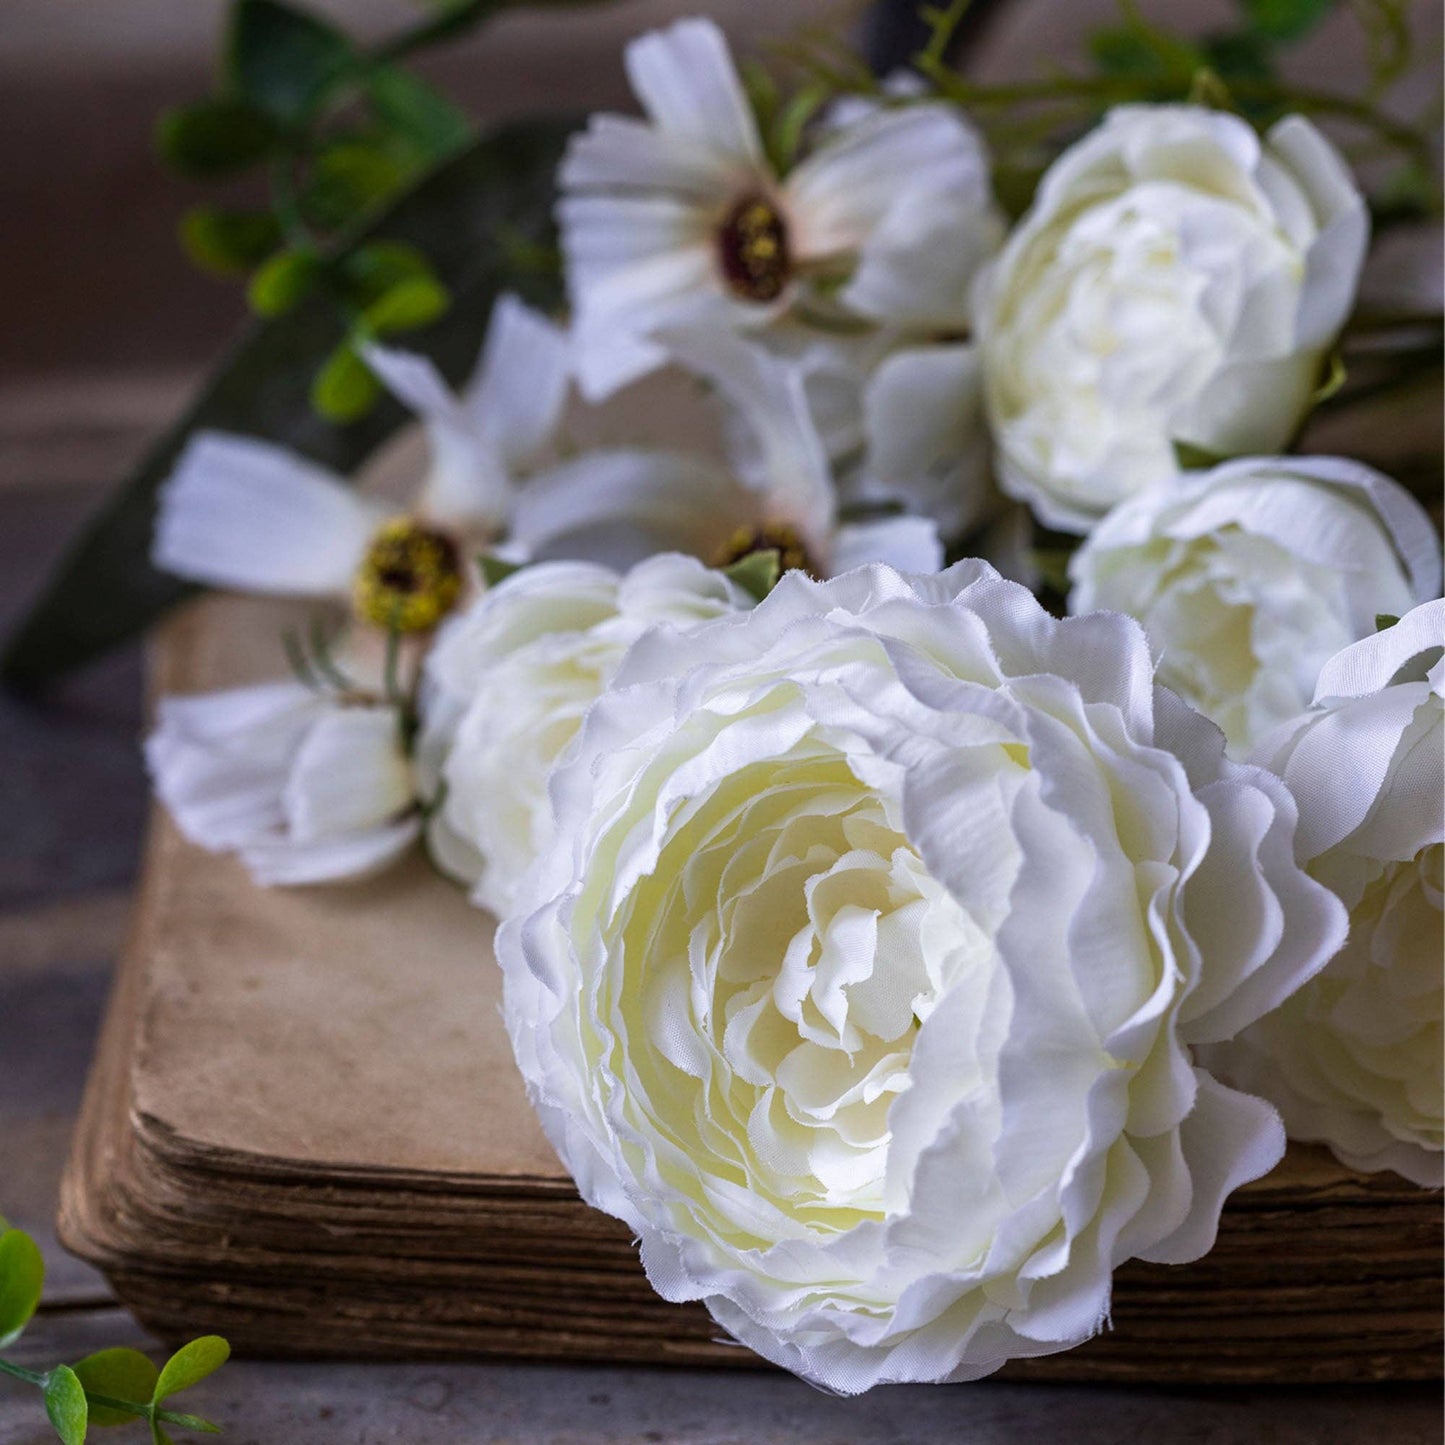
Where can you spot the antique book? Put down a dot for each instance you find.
(304, 1130)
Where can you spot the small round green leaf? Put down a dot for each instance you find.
(344, 389)
(413, 303)
(189, 1365)
(282, 282)
(22, 1278)
(228, 243)
(285, 61)
(215, 138)
(121, 1373)
(65, 1403)
(372, 270)
(347, 178)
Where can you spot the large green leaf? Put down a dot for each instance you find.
(479, 219)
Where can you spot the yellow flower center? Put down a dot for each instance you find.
(410, 578)
(752, 246)
(778, 536)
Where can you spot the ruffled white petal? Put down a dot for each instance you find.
(242, 513)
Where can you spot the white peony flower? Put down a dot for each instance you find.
(864, 975)
(1176, 280)
(1250, 577)
(506, 687)
(1356, 1059)
(305, 787)
(680, 219)
(246, 514)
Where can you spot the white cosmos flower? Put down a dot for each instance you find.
(864, 975)
(1176, 280)
(1250, 577)
(305, 787)
(789, 497)
(246, 514)
(1356, 1059)
(680, 219)
(506, 687)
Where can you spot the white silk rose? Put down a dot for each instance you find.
(1250, 577)
(1356, 1059)
(506, 686)
(1177, 280)
(864, 974)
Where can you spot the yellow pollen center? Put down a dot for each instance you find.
(778, 536)
(752, 246)
(410, 578)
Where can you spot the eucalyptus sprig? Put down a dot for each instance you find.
(118, 1386)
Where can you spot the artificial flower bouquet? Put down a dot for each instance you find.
(947, 835)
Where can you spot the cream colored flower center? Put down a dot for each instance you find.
(778, 962)
(410, 578)
(753, 251)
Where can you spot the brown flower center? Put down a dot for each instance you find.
(777, 536)
(752, 245)
(410, 578)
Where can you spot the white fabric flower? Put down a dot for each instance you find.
(1248, 578)
(305, 787)
(680, 219)
(789, 497)
(1356, 1059)
(506, 687)
(246, 514)
(864, 974)
(1176, 280)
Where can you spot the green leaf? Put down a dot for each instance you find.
(214, 138)
(121, 1373)
(1384, 620)
(347, 178)
(65, 1403)
(228, 243)
(284, 282)
(465, 218)
(785, 135)
(1240, 55)
(1285, 20)
(22, 1278)
(413, 303)
(758, 572)
(417, 112)
(285, 61)
(370, 271)
(190, 1365)
(345, 389)
(496, 569)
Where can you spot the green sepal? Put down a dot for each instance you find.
(285, 61)
(228, 243)
(757, 573)
(66, 1405)
(283, 282)
(121, 1373)
(190, 1364)
(344, 390)
(496, 569)
(22, 1279)
(216, 137)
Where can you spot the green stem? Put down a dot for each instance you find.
(19, 1372)
(455, 20)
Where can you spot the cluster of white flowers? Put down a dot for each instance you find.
(892, 956)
